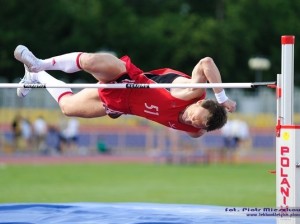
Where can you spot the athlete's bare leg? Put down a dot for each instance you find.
(84, 104)
(104, 67)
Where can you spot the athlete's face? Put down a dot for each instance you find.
(196, 116)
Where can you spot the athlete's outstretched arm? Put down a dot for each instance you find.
(207, 71)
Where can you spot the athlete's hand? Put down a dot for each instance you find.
(230, 105)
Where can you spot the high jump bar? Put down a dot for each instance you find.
(138, 85)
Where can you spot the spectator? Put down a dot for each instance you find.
(27, 133)
(53, 139)
(69, 135)
(40, 134)
(16, 132)
(234, 133)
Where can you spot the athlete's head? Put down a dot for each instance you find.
(217, 115)
(205, 114)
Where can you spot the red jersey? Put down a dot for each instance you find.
(154, 104)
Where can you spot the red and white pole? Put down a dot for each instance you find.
(287, 72)
(287, 140)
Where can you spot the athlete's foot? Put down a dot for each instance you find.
(24, 55)
(27, 79)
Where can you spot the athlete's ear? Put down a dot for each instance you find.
(199, 102)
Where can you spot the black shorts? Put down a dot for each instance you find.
(165, 78)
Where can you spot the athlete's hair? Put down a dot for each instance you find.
(218, 114)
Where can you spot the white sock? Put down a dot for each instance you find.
(56, 93)
(68, 63)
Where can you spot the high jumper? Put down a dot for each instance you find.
(185, 109)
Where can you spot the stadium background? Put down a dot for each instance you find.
(155, 34)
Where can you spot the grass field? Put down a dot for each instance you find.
(227, 185)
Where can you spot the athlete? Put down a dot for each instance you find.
(184, 109)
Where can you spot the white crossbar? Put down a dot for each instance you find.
(138, 85)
